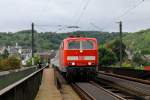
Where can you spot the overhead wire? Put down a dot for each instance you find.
(122, 15)
(78, 9)
(130, 9)
(95, 26)
(82, 12)
(62, 27)
(41, 26)
(78, 18)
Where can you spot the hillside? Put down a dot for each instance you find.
(138, 41)
(48, 40)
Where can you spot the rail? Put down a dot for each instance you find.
(23, 89)
(130, 72)
(83, 94)
(138, 87)
(111, 93)
(127, 78)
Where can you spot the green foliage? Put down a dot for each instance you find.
(5, 54)
(146, 63)
(29, 62)
(115, 47)
(145, 51)
(139, 68)
(127, 64)
(106, 57)
(48, 40)
(36, 60)
(137, 58)
(10, 63)
(138, 41)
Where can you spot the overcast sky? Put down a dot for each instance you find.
(19, 14)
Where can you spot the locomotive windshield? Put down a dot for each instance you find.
(78, 44)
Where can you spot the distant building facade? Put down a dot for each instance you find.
(2, 50)
(23, 53)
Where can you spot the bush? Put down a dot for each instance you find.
(137, 58)
(36, 61)
(145, 51)
(127, 64)
(146, 63)
(106, 57)
(115, 47)
(10, 63)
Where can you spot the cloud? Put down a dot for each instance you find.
(18, 14)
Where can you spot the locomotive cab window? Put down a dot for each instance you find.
(87, 44)
(78, 44)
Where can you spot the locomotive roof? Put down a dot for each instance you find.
(73, 38)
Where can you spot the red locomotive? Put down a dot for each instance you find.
(78, 56)
(147, 68)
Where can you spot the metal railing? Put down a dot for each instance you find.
(21, 85)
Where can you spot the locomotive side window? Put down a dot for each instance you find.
(76, 44)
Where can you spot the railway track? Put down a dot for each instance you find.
(94, 91)
(131, 87)
(89, 91)
(81, 92)
(107, 87)
(119, 93)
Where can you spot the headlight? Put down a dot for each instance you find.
(72, 57)
(89, 57)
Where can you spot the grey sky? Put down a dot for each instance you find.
(18, 14)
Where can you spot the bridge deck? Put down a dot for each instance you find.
(47, 90)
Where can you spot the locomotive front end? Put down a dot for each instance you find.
(81, 52)
(80, 56)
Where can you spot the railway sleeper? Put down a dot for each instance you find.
(121, 91)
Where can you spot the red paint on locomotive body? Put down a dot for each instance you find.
(147, 68)
(78, 52)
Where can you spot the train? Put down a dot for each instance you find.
(78, 57)
(146, 68)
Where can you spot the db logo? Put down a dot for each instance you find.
(81, 57)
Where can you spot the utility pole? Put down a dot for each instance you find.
(32, 28)
(120, 29)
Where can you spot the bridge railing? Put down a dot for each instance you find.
(20, 85)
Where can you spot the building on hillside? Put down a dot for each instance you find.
(2, 49)
(14, 50)
(26, 54)
(23, 53)
(44, 56)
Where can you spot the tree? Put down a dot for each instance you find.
(137, 58)
(36, 60)
(106, 57)
(115, 47)
(10, 63)
(5, 54)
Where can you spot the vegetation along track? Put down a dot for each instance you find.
(128, 88)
